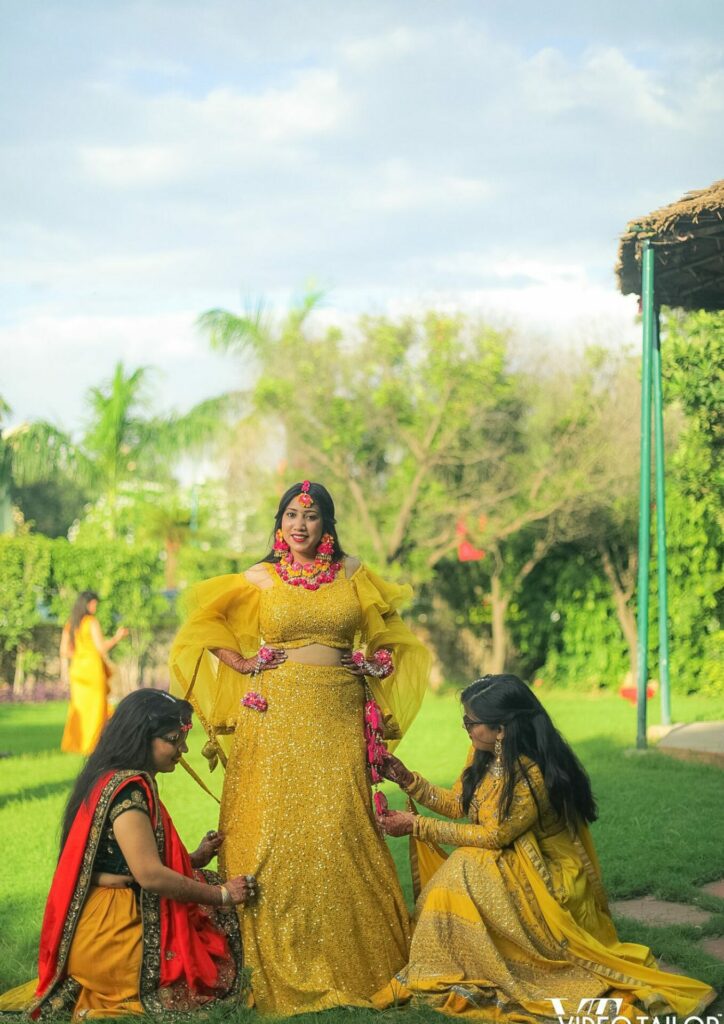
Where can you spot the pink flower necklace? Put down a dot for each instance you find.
(310, 575)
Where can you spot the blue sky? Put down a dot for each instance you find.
(161, 158)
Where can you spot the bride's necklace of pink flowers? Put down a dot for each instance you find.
(310, 575)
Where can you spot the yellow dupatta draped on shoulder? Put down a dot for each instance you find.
(225, 612)
(221, 612)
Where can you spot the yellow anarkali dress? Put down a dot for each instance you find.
(514, 925)
(330, 925)
(88, 711)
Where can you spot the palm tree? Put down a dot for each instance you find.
(121, 445)
(32, 453)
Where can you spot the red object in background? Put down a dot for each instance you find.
(467, 552)
(630, 693)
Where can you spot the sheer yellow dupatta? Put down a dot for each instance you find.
(400, 695)
(425, 858)
(221, 612)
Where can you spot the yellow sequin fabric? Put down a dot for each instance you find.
(330, 925)
(284, 618)
(231, 612)
(517, 916)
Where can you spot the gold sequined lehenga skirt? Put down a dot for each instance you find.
(330, 925)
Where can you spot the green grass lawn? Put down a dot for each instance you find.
(661, 828)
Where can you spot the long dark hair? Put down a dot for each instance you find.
(79, 612)
(125, 743)
(323, 500)
(529, 732)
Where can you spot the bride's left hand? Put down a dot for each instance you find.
(347, 662)
(396, 823)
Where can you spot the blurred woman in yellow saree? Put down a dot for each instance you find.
(514, 924)
(84, 661)
(288, 722)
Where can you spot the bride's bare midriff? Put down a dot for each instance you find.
(316, 654)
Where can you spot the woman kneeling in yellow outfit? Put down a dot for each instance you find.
(514, 925)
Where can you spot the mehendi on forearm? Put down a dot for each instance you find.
(174, 886)
(233, 659)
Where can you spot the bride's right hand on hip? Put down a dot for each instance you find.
(247, 666)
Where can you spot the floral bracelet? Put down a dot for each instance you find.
(380, 666)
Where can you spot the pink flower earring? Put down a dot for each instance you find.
(325, 548)
(280, 545)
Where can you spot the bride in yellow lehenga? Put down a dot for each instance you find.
(287, 721)
(514, 925)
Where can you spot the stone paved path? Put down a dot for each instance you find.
(661, 913)
(695, 741)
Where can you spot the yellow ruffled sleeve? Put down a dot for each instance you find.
(220, 612)
(400, 695)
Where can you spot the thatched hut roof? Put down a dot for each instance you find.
(688, 242)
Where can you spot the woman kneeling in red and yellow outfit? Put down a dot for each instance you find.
(131, 925)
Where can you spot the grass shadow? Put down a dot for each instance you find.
(40, 792)
(31, 728)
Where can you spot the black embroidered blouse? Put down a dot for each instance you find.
(108, 856)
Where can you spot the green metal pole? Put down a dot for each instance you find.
(647, 301)
(661, 528)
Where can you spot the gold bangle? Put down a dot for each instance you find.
(226, 900)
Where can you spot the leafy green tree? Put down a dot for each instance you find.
(421, 428)
(24, 585)
(129, 581)
(32, 455)
(123, 446)
(693, 357)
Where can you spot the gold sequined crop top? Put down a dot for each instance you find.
(295, 617)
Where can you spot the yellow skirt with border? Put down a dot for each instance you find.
(522, 935)
(104, 958)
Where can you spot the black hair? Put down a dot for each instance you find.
(323, 500)
(505, 700)
(79, 611)
(125, 743)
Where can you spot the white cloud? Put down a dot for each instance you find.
(312, 105)
(82, 350)
(163, 158)
(130, 165)
(399, 185)
(391, 45)
(190, 138)
(604, 81)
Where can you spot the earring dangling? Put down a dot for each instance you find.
(280, 545)
(325, 549)
(496, 770)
